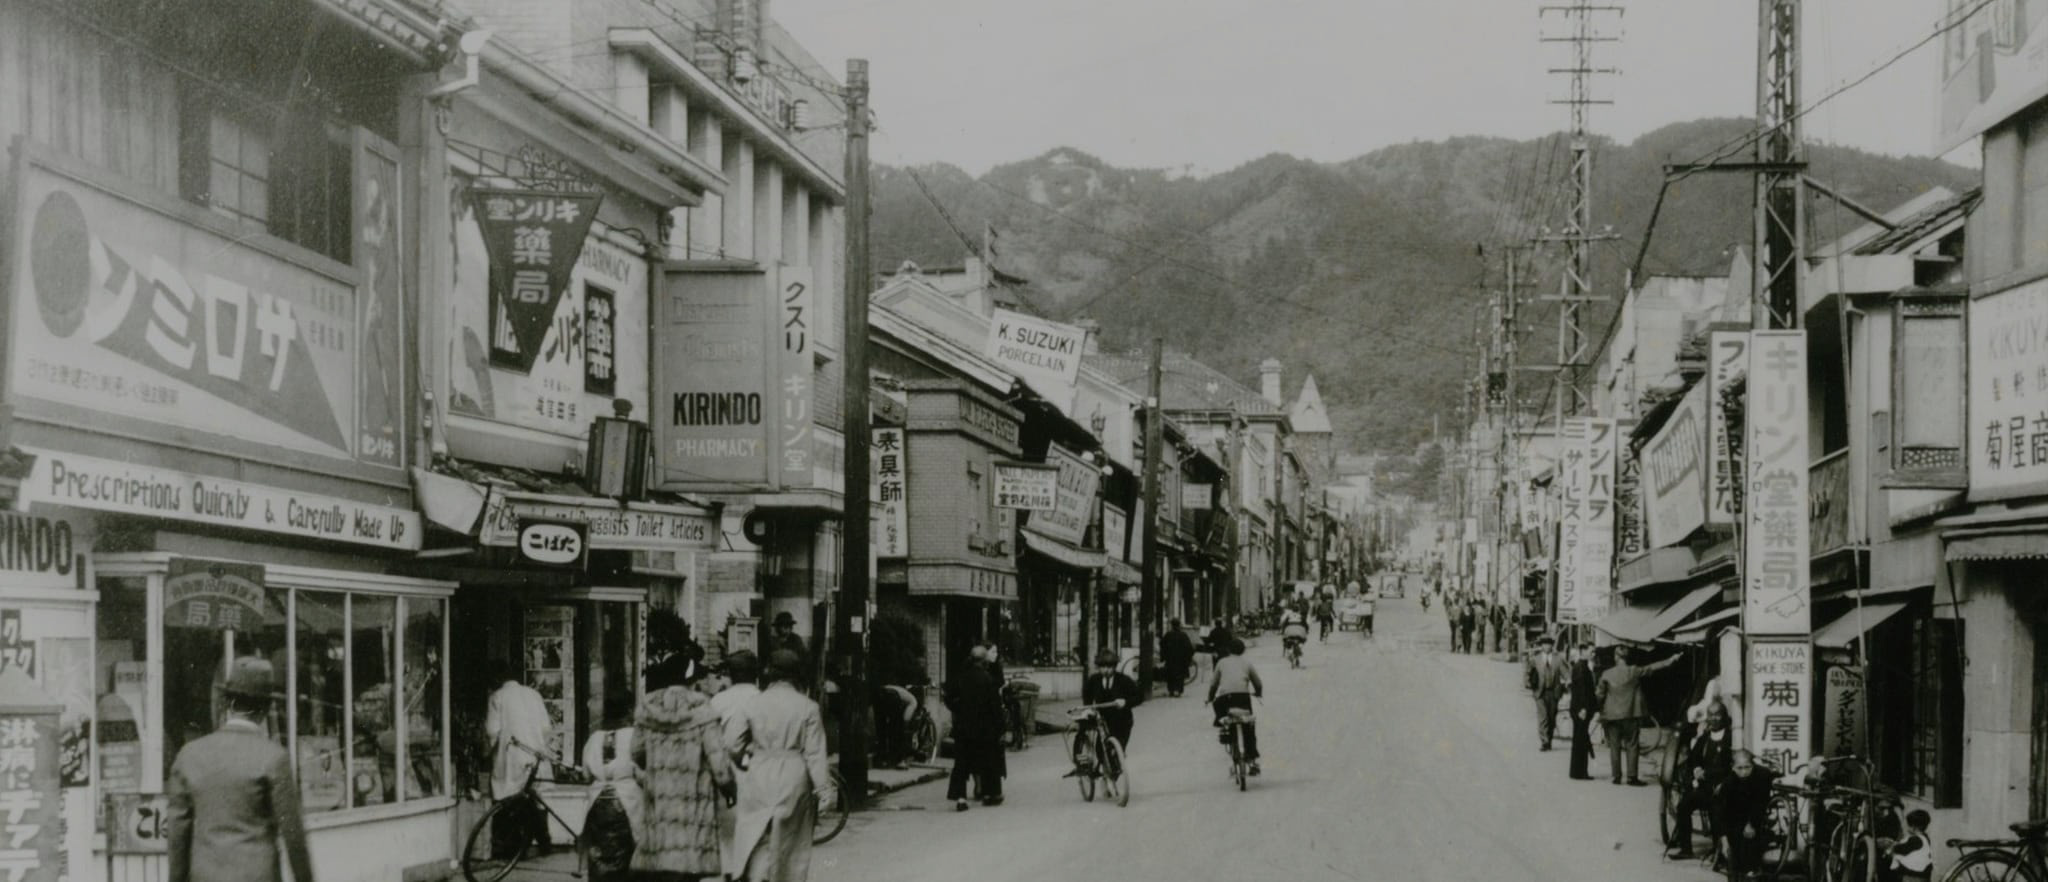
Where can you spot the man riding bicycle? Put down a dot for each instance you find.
(1233, 686)
(1293, 629)
(1326, 617)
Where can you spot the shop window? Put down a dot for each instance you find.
(122, 683)
(366, 710)
(202, 638)
(373, 748)
(321, 623)
(425, 623)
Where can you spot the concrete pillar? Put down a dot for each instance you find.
(707, 220)
(767, 210)
(630, 87)
(739, 169)
(796, 224)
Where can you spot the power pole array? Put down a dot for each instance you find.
(1576, 286)
(1780, 164)
(855, 545)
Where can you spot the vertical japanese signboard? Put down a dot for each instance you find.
(1632, 529)
(1727, 362)
(31, 798)
(1776, 580)
(1781, 701)
(1586, 520)
(534, 238)
(600, 342)
(795, 319)
(2008, 378)
(1571, 516)
(1844, 713)
(891, 462)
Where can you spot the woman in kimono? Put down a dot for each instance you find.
(687, 775)
(778, 743)
(613, 827)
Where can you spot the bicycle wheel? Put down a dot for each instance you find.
(479, 864)
(1116, 777)
(1991, 865)
(924, 739)
(1086, 779)
(1237, 760)
(830, 823)
(1667, 817)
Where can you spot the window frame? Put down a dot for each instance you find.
(287, 173)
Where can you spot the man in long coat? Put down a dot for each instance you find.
(1176, 652)
(1583, 691)
(233, 805)
(778, 745)
(1545, 677)
(977, 706)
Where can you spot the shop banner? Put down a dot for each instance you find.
(2008, 392)
(1728, 362)
(635, 527)
(1631, 530)
(716, 395)
(1780, 714)
(600, 343)
(1845, 709)
(1195, 497)
(1027, 486)
(533, 238)
(797, 341)
(41, 552)
(1044, 354)
(1074, 501)
(128, 317)
(1586, 520)
(214, 595)
(1991, 66)
(1777, 583)
(110, 485)
(1674, 471)
(1115, 527)
(891, 462)
(31, 797)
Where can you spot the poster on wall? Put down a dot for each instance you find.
(533, 238)
(1727, 364)
(30, 789)
(891, 464)
(1777, 582)
(1991, 66)
(67, 674)
(1674, 472)
(1027, 486)
(380, 254)
(1781, 713)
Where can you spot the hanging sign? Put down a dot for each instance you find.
(1780, 701)
(213, 595)
(534, 238)
(1727, 362)
(1073, 499)
(795, 320)
(1044, 354)
(553, 543)
(1027, 486)
(1674, 469)
(1777, 582)
(892, 464)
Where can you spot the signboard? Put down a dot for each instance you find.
(1776, 580)
(1674, 472)
(1631, 530)
(40, 552)
(533, 238)
(1044, 354)
(214, 595)
(1195, 497)
(715, 398)
(1074, 503)
(633, 527)
(1586, 520)
(1115, 527)
(380, 252)
(131, 319)
(1780, 696)
(1994, 63)
(1845, 710)
(1134, 542)
(796, 344)
(31, 799)
(892, 467)
(136, 824)
(2008, 390)
(558, 544)
(1727, 363)
(109, 485)
(1027, 486)
(584, 360)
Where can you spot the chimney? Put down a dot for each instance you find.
(1092, 343)
(1269, 380)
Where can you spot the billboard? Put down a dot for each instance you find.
(2008, 379)
(1674, 472)
(1074, 503)
(1586, 520)
(1776, 579)
(1994, 62)
(715, 394)
(1780, 718)
(1044, 354)
(1727, 362)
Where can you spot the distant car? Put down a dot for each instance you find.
(1392, 587)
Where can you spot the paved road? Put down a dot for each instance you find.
(1386, 759)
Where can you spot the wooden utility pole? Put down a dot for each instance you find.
(856, 545)
(1148, 583)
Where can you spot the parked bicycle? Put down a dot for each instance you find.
(833, 820)
(1098, 757)
(2024, 859)
(924, 731)
(484, 859)
(1233, 741)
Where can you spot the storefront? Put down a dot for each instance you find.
(961, 572)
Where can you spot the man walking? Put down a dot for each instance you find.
(1451, 620)
(1176, 653)
(232, 801)
(1497, 616)
(1544, 674)
(1583, 694)
(1622, 709)
(977, 707)
(1468, 617)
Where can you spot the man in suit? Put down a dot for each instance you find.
(1544, 675)
(1622, 709)
(233, 803)
(1583, 689)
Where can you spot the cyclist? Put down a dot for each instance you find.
(1233, 686)
(1293, 628)
(1108, 686)
(1326, 617)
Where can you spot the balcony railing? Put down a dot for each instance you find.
(1827, 493)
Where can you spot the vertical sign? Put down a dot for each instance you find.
(1844, 710)
(891, 462)
(795, 318)
(1728, 361)
(31, 798)
(1780, 701)
(1596, 536)
(1776, 581)
(1114, 525)
(712, 367)
(1572, 478)
(380, 405)
(2008, 379)
(1632, 534)
(600, 345)
(533, 238)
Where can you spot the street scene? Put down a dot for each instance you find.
(876, 440)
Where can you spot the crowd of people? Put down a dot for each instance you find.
(1473, 620)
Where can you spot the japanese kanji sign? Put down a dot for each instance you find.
(797, 325)
(891, 461)
(213, 595)
(1843, 713)
(600, 343)
(1780, 715)
(32, 829)
(1727, 361)
(1027, 486)
(1585, 551)
(1776, 579)
(534, 238)
(1074, 498)
(2008, 413)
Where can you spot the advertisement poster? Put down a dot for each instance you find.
(1994, 62)
(1674, 472)
(1781, 681)
(796, 343)
(139, 321)
(533, 238)
(1776, 579)
(891, 463)
(1727, 363)
(29, 788)
(2008, 391)
(1027, 486)
(1074, 503)
(716, 405)
(381, 255)
(1586, 520)
(1044, 354)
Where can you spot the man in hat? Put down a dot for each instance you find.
(1544, 675)
(232, 799)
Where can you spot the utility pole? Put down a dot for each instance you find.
(1148, 583)
(856, 547)
(1780, 210)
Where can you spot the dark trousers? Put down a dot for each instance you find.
(1693, 801)
(1745, 853)
(976, 762)
(1582, 745)
(1546, 718)
(1454, 636)
(1621, 747)
(1222, 706)
(1176, 678)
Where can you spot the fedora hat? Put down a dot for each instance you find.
(784, 618)
(251, 678)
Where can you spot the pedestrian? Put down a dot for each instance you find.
(1622, 709)
(742, 670)
(232, 803)
(1497, 617)
(1742, 813)
(893, 707)
(783, 635)
(1584, 695)
(1107, 687)
(1326, 618)
(1515, 627)
(1468, 616)
(977, 708)
(778, 746)
(1544, 674)
(689, 776)
(1176, 652)
(1451, 619)
(1709, 755)
(1365, 616)
(518, 727)
(612, 827)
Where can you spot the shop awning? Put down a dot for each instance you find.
(1642, 624)
(2008, 546)
(1696, 631)
(448, 502)
(1123, 572)
(1061, 552)
(1852, 624)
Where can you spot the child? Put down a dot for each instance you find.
(1912, 858)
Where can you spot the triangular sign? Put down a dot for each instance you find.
(534, 238)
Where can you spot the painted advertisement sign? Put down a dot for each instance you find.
(891, 460)
(213, 595)
(127, 316)
(533, 238)
(1781, 719)
(380, 252)
(1075, 502)
(636, 526)
(1027, 486)
(1776, 580)
(2008, 392)
(1727, 364)
(1045, 354)
(716, 405)
(1586, 520)
(41, 552)
(796, 342)
(1994, 62)
(1674, 472)
(31, 796)
(591, 340)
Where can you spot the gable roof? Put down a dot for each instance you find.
(1185, 384)
(1918, 226)
(1309, 415)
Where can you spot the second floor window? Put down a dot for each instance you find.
(290, 180)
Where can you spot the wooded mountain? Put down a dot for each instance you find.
(1368, 272)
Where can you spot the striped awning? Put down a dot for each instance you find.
(1642, 624)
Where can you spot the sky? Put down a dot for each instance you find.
(1207, 85)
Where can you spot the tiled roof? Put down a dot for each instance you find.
(1921, 224)
(1184, 383)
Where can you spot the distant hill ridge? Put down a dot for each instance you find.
(1366, 272)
